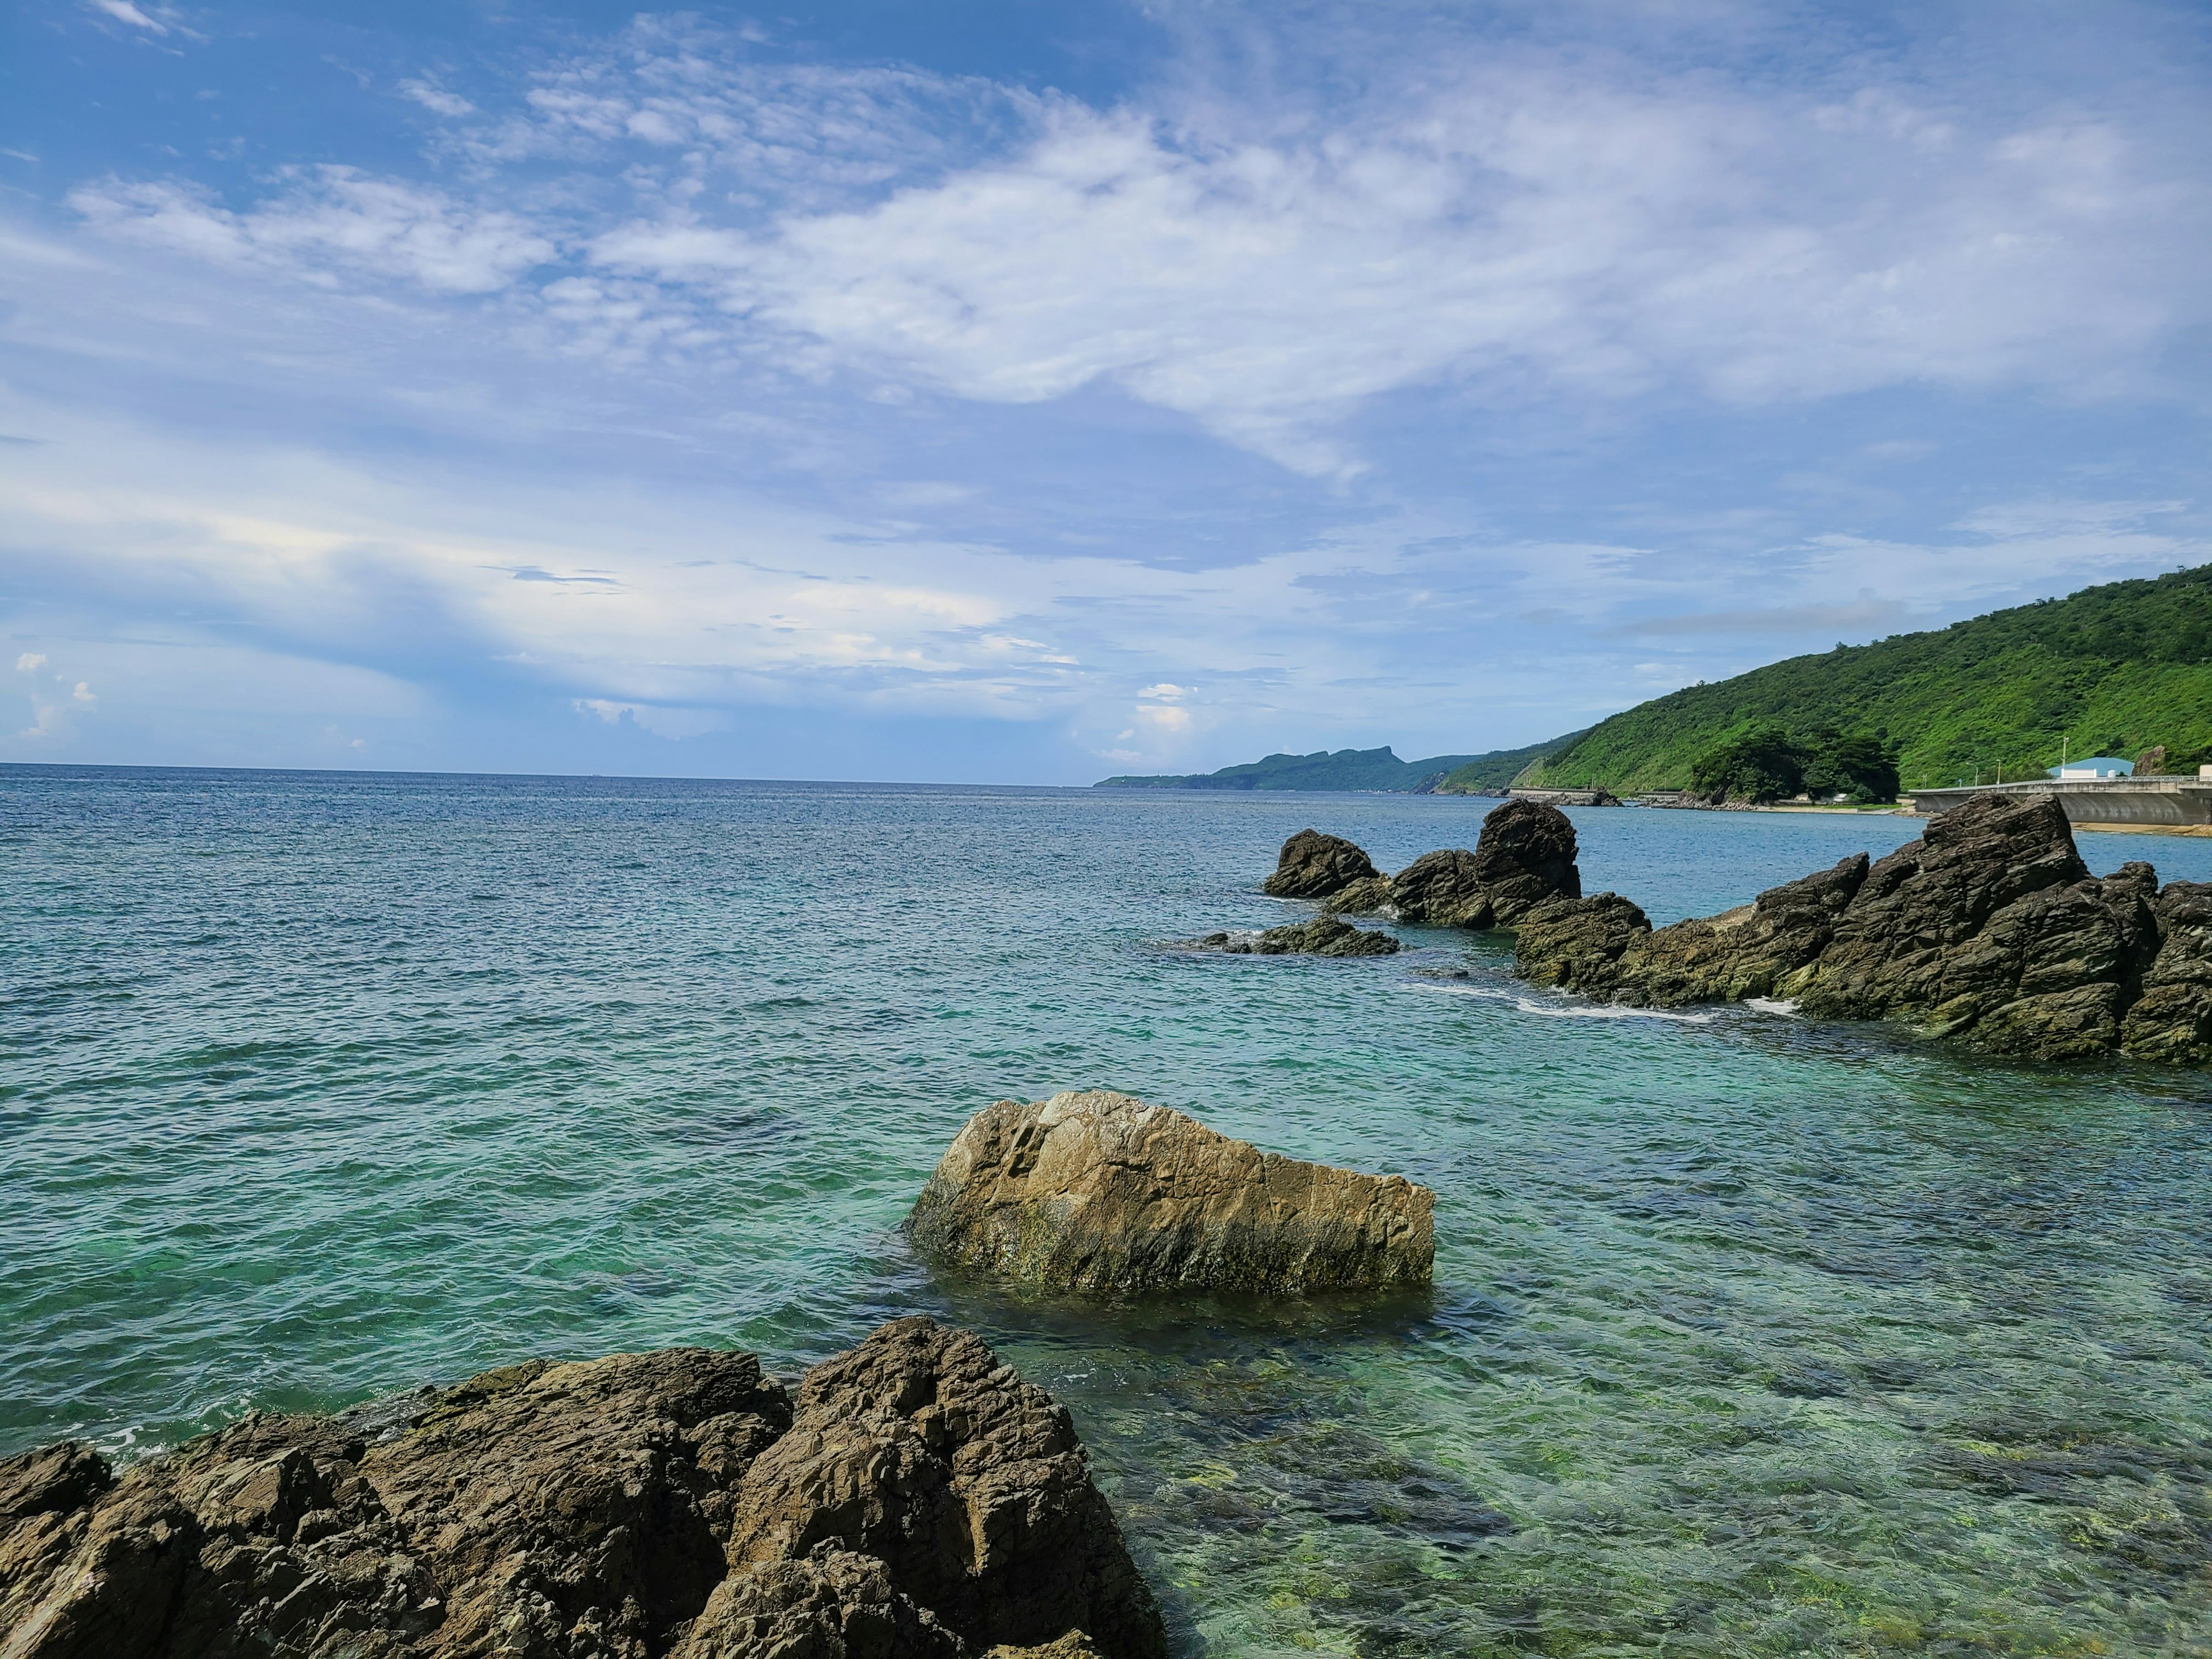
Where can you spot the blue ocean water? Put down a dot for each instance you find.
(1750, 1335)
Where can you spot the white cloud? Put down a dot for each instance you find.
(436, 98)
(29, 663)
(331, 220)
(124, 12)
(84, 692)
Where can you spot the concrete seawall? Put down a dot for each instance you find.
(2168, 801)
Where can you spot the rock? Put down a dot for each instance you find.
(1743, 952)
(2172, 1019)
(579, 1511)
(1313, 866)
(1440, 889)
(1323, 936)
(1102, 1193)
(1525, 856)
(1577, 943)
(1929, 901)
(920, 1449)
(1988, 929)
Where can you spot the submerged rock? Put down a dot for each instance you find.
(1524, 857)
(1323, 936)
(1099, 1192)
(1989, 929)
(922, 1499)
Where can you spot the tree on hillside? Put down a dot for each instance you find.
(1763, 765)
(1766, 763)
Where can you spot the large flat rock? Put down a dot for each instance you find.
(1099, 1192)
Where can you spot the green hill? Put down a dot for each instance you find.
(2114, 670)
(1498, 768)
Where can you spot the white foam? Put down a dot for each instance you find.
(1770, 1005)
(1571, 1010)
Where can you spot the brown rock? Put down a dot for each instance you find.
(1102, 1193)
(578, 1511)
(920, 1449)
(1313, 866)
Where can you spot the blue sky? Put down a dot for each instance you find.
(1024, 392)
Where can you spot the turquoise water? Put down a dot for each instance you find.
(1749, 1335)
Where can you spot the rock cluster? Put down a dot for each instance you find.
(1989, 929)
(1524, 857)
(1102, 1193)
(1323, 936)
(917, 1498)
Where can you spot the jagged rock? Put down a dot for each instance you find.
(1102, 1193)
(919, 1449)
(578, 1511)
(1323, 936)
(1313, 866)
(1577, 943)
(1989, 929)
(1440, 889)
(1365, 898)
(1524, 856)
(1740, 953)
(2173, 1020)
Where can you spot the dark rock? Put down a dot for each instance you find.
(1440, 889)
(580, 1511)
(1102, 1193)
(2172, 1019)
(1313, 866)
(1525, 856)
(1323, 936)
(1744, 952)
(1933, 896)
(1367, 896)
(1989, 929)
(1577, 943)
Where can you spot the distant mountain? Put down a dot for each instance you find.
(2113, 670)
(1367, 770)
(1500, 768)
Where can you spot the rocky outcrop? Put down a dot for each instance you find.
(1313, 866)
(2173, 1018)
(1102, 1193)
(1323, 936)
(919, 1500)
(1576, 942)
(1989, 929)
(1524, 857)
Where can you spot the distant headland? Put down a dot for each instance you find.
(1375, 771)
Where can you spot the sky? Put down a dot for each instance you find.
(1026, 393)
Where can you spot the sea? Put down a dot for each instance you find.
(1750, 1335)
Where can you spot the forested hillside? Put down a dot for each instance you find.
(2115, 670)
